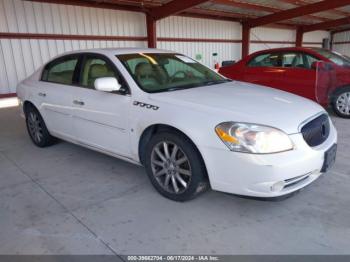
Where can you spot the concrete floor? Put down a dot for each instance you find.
(69, 200)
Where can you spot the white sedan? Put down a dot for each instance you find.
(190, 127)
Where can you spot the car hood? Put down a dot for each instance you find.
(244, 102)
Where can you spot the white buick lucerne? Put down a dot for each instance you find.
(190, 127)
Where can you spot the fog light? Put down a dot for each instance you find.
(278, 186)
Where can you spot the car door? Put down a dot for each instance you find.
(100, 119)
(264, 69)
(55, 90)
(299, 77)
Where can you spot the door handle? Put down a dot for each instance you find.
(80, 103)
(42, 94)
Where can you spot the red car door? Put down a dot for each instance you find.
(264, 69)
(299, 77)
(326, 81)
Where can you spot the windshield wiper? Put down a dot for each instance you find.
(212, 82)
(182, 87)
(215, 82)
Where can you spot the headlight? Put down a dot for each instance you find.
(252, 138)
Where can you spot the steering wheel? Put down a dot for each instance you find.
(172, 78)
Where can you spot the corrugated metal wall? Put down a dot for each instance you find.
(185, 27)
(202, 29)
(285, 36)
(265, 34)
(342, 42)
(20, 57)
(191, 36)
(34, 17)
(316, 36)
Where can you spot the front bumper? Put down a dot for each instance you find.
(268, 175)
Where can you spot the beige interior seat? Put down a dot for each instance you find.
(146, 76)
(98, 71)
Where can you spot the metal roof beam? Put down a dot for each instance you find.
(229, 16)
(299, 38)
(326, 25)
(297, 12)
(301, 3)
(174, 7)
(106, 5)
(340, 30)
(245, 5)
(257, 7)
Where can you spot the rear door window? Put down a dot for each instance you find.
(297, 60)
(61, 71)
(292, 59)
(266, 60)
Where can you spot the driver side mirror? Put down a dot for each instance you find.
(107, 84)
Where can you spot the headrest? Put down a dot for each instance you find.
(98, 70)
(143, 68)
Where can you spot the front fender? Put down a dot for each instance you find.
(197, 126)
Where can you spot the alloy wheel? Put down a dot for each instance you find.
(171, 167)
(343, 103)
(35, 127)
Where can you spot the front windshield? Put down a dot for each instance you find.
(159, 72)
(336, 58)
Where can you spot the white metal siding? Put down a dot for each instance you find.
(316, 36)
(272, 34)
(286, 35)
(225, 51)
(20, 57)
(341, 37)
(186, 27)
(342, 48)
(33, 17)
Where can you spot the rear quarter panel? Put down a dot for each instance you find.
(343, 77)
(27, 90)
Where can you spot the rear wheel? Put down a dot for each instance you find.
(341, 102)
(37, 129)
(175, 166)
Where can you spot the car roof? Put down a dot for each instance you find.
(281, 49)
(118, 51)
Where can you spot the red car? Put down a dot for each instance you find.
(314, 73)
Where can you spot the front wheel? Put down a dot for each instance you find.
(175, 166)
(341, 102)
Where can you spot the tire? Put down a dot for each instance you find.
(37, 129)
(341, 102)
(185, 167)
